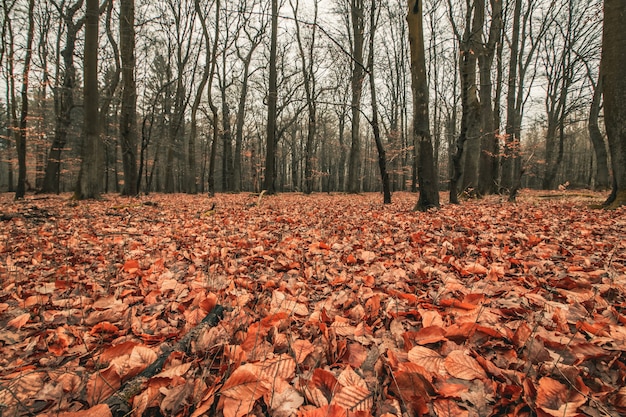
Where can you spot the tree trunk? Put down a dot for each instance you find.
(64, 100)
(426, 172)
(597, 140)
(20, 191)
(511, 146)
(489, 149)
(90, 175)
(354, 165)
(382, 156)
(614, 82)
(128, 116)
(466, 156)
(270, 156)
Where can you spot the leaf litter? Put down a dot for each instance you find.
(335, 306)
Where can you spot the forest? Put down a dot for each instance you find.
(184, 95)
(313, 208)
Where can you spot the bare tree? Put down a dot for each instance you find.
(382, 156)
(254, 37)
(307, 60)
(8, 42)
(272, 98)
(489, 147)
(357, 17)
(596, 137)
(128, 116)
(566, 46)
(64, 94)
(20, 191)
(89, 184)
(427, 174)
(614, 81)
(465, 158)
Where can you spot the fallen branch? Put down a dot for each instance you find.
(119, 403)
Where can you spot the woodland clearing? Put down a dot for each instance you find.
(333, 305)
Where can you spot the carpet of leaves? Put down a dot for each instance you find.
(335, 305)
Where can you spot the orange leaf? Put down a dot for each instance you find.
(461, 365)
(19, 321)
(332, 410)
(450, 302)
(474, 268)
(301, 349)
(414, 390)
(104, 327)
(100, 410)
(351, 260)
(557, 399)
(102, 384)
(428, 359)
(131, 266)
(244, 384)
(448, 408)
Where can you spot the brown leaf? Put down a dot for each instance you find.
(449, 408)
(461, 365)
(244, 384)
(19, 321)
(102, 384)
(557, 399)
(428, 359)
(100, 410)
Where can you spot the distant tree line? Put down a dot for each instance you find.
(290, 95)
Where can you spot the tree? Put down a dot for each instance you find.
(596, 137)
(64, 95)
(357, 11)
(426, 172)
(89, 182)
(614, 82)
(272, 98)
(489, 148)
(307, 60)
(20, 191)
(382, 156)
(8, 43)
(467, 143)
(128, 116)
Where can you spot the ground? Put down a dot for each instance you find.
(334, 305)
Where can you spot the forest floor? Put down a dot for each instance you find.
(334, 305)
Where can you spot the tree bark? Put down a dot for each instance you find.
(426, 172)
(20, 191)
(465, 157)
(597, 140)
(89, 184)
(382, 155)
(128, 116)
(511, 146)
(614, 81)
(64, 99)
(489, 148)
(354, 165)
(270, 155)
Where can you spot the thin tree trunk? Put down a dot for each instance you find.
(64, 99)
(597, 140)
(382, 156)
(270, 156)
(20, 191)
(511, 146)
